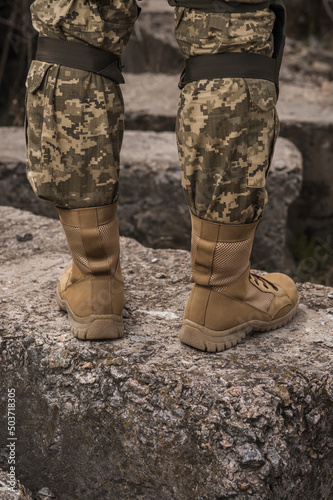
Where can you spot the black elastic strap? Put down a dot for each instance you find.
(80, 56)
(241, 64)
(229, 65)
(220, 6)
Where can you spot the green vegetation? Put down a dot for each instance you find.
(314, 257)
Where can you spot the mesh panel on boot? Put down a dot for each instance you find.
(78, 252)
(258, 299)
(220, 289)
(230, 261)
(110, 240)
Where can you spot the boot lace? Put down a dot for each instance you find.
(257, 279)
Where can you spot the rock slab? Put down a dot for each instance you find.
(12, 489)
(145, 417)
(152, 46)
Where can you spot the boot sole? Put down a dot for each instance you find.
(202, 338)
(94, 327)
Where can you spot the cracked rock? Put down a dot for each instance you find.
(145, 417)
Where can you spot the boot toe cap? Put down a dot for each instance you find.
(285, 283)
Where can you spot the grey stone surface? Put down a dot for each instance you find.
(312, 212)
(307, 121)
(152, 206)
(157, 95)
(271, 246)
(152, 99)
(145, 417)
(14, 188)
(152, 46)
(11, 488)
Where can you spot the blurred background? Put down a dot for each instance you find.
(301, 187)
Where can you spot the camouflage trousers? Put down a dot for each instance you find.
(75, 118)
(226, 128)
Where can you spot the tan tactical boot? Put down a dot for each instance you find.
(228, 301)
(91, 288)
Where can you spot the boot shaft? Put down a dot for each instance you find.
(220, 252)
(93, 238)
(227, 301)
(91, 289)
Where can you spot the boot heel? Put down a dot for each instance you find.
(61, 303)
(209, 340)
(96, 328)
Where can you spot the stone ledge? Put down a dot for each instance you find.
(153, 46)
(145, 416)
(12, 489)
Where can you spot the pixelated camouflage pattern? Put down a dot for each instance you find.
(74, 118)
(200, 32)
(106, 24)
(226, 128)
(74, 132)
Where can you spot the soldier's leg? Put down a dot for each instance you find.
(226, 131)
(74, 135)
